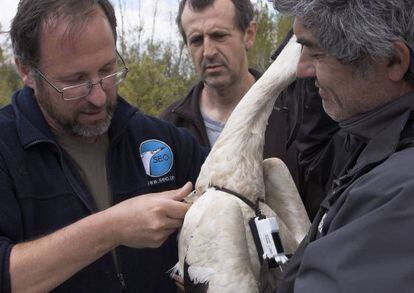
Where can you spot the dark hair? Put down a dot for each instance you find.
(243, 8)
(33, 15)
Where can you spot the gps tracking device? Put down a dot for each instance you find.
(268, 243)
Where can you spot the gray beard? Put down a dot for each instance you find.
(74, 128)
(91, 131)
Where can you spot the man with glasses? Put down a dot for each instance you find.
(79, 91)
(73, 158)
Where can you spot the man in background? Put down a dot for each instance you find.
(78, 164)
(218, 34)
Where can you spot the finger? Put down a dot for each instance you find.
(180, 287)
(180, 193)
(176, 209)
(171, 225)
(178, 280)
(179, 283)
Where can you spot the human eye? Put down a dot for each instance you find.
(196, 40)
(313, 53)
(317, 55)
(74, 80)
(107, 71)
(220, 36)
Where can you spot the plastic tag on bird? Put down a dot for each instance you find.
(268, 243)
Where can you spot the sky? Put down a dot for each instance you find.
(136, 11)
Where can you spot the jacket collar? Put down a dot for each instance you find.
(381, 129)
(378, 135)
(189, 108)
(30, 123)
(32, 127)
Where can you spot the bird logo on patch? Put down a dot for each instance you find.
(157, 157)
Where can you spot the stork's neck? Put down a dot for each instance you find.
(235, 161)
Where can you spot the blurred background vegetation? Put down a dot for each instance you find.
(160, 71)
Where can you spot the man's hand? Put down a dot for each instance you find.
(179, 282)
(143, 221)
(148, 220)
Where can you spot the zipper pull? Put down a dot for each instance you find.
(122, 283)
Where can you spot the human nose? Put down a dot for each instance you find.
(209, 48)
(306, 66)
(97, 95)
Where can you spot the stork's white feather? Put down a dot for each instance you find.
(216, 233)
(283, 198)
(175, 270)
(235, 161)
(200, 275)
(214, 236)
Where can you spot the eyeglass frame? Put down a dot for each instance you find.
(91, 84)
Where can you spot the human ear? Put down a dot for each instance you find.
(250, 34)
(25, 72)
(399, 64)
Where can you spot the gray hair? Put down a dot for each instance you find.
(356, 31)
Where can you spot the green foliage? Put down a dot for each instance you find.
(9, 82)
(159, 71)
(259, 54)
(154, 80)
(283, 25)
(9, 79)
(271, 29)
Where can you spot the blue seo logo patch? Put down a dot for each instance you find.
(157, 157)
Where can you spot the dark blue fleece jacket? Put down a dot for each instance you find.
(41, 190)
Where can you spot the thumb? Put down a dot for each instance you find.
(180, 193)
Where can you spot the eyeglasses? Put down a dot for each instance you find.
(79, 91)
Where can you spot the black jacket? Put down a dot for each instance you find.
(41, 190)
(360, 241)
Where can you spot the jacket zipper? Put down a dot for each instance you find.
(79, 193)
(122, 282)
(119, 274)
(77, 189)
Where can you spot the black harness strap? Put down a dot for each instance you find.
(254, 206)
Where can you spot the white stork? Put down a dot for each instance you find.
(217, 252)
